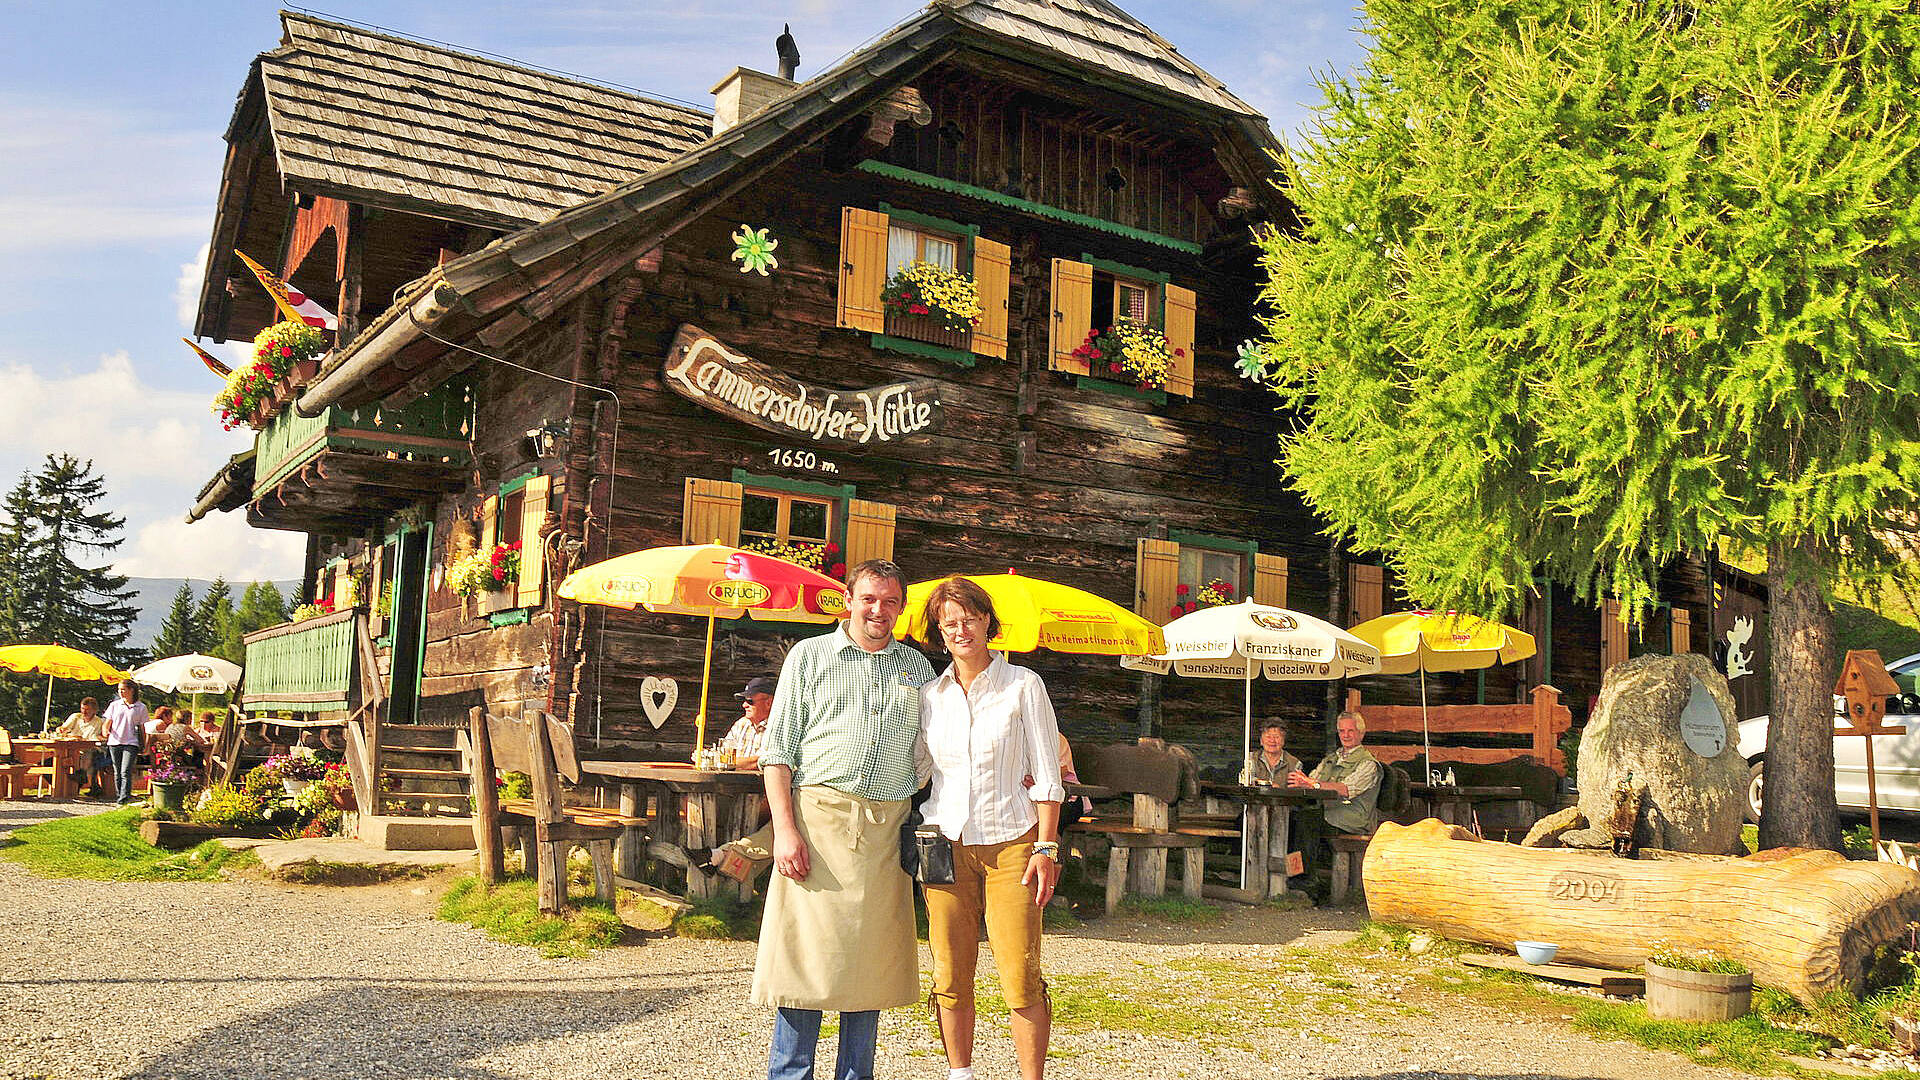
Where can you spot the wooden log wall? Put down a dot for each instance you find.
(1028, 471)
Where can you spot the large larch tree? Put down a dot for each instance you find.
(1586, 287)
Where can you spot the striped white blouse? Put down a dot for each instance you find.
(983, 743)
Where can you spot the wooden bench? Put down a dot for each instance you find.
(1349, 855)
(13, 774)
(548, 829)
(1544, 721)
(1152, 776)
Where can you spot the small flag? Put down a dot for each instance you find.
(293, 303)
(206, 358)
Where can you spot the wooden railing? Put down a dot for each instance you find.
(303, 666)
(1544, 720)
(436, 426)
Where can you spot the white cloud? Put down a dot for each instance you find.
(186, 288)
(218, 544)
(155, 448)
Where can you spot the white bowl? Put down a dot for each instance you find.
(1536, 952)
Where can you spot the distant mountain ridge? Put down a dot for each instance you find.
(153, 596)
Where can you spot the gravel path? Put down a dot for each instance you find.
(246, 979)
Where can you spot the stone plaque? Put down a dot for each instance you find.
(1701, 725)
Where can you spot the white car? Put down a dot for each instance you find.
(1896, 758)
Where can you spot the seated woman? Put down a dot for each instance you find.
(1270, 765)
(209, 726)
(181, 738)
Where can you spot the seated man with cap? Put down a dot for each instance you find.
(747, 732)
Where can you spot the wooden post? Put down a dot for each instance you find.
(376, 734)
(1873, 799)
(1545, 700)
(703, 820)
(550, 855)
(1254, 848)
(633, 839)
(353, 245)
(486, 801)
(1147, 872)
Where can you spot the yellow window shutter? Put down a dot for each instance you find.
(863, 269)
(533, 561)
(1270, 580)
(1613, 634)
(992, 276)
(1180, 307)
(1072, 315)
(1682, 631)
(1366, 586)
(711, 512)
(1156, 576)
(489, 522)
(869, 532)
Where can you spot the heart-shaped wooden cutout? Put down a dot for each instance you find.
(658, 697)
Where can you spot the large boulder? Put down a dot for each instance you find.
(1669, 721)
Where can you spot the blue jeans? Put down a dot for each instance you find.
(797, 1031)
(125, 760)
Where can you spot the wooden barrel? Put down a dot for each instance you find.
(1673, 994)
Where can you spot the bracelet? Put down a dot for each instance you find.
(1049, 848)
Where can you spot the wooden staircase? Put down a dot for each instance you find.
(422, 771)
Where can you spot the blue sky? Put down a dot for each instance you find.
(111, 117)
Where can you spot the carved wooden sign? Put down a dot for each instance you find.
(703, 370)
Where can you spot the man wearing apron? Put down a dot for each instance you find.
(839, 760)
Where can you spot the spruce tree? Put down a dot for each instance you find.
(16, 533)
(63, 601)
(212, 618)
(180, 630)
(1585, 288)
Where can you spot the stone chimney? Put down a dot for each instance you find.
(744, 92)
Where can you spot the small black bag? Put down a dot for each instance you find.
(925, 854)
(933, 857)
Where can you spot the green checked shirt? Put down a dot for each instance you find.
(848, 719)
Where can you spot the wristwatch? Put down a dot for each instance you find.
(1049, 848)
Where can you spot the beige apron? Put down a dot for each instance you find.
(842, 939)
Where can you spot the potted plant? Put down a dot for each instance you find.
(931, 303)
(489, 576)
(1217, 592)
(338, 784)
(1129, 352)
(1696, 985)
(295, 772)
(170, 778)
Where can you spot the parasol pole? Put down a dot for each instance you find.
(706, 673)
(1426, 744)
(46, 717)
(1246, 727)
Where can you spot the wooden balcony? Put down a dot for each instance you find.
(303, 667)
(350, 468)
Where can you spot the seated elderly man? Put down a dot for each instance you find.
(1354, 775)
(88, 724)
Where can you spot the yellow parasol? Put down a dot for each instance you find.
(57, 662)
(1036, 614)
(1426, 641)
(714, 580)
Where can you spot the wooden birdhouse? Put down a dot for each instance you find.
(1865, 684)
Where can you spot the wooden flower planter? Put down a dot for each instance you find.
(305, 370)
(1673, 994)
(928, 329)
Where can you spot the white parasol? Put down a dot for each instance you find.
(1239, 641)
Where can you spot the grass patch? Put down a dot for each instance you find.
(1750, 1044)
(107, 847)
(1406, 941)
(510, 912)
(1055, 917)
(718, 919)
(340, 873)
(1178, 909)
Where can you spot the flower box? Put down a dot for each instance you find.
(928, 329)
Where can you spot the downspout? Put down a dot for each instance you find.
(423, 314)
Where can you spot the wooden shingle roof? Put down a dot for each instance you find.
(1101, 36)
(413, 126)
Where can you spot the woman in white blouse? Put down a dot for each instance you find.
(987, 726)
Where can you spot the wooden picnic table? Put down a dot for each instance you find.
(697, 809)
(63, 755)
(1453, 803)
(1266, 821)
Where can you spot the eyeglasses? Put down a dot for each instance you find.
(971, 622)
